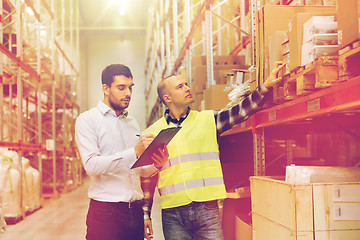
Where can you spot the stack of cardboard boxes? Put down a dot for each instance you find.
(348, 22)
(320, 38)
(349, 36)
(212, 97)
(272, 19)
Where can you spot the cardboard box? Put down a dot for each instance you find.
(215, 98)
(313, 211)
(199, 73)
(196, 105)
(219, 60)
(243, 229)
(198, 60)
(286, 59)
(296, 37)
(183, 74)
(285, 48)
(276, 18)
(348, 22)
(276, 41)
(319, 25)
(310, 52)
(253, 85)
(229, 60)
(321, 174)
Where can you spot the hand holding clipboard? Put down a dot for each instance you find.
(163, 138)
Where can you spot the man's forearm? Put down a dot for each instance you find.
(226, 119)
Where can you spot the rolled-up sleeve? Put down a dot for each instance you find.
(227, 118)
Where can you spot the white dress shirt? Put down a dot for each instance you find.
(106, 145)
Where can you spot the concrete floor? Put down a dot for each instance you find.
(64, 219)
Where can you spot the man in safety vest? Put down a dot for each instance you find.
(191, 182)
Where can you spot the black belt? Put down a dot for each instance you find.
(137, 203)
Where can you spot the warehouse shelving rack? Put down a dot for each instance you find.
(267, 141)
(180, 43)
(39, 44)
(336, 107)
(180, 29)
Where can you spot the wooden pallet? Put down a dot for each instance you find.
(320, 73)
(349, 60)
(303, 80)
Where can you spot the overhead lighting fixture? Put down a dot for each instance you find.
(30, 11)
(122, 10)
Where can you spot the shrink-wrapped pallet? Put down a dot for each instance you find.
(4, 176)
(31, 186)
(12, 195)
(27, 185)
(37, 188)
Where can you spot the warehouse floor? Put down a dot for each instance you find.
(64, 219)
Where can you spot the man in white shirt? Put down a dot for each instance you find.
(109, 143)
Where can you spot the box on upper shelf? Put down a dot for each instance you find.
(348, 22)
(215, 97)
(199, 75)
(219, 60)
(276, 18)
(319, 38)
(296, 32)
(276, 41)
(319, 25)
(310, 52)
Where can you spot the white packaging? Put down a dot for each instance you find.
(4, 176)
(310, 52)
(31, 187)
(11, 201)
(318, 25)
(325, 39)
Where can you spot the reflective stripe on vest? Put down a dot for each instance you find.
(191, 184)
(191, 157)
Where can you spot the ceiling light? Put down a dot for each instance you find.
(29, 11)
(122, 11)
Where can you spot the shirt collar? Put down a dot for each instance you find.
(174, 120)
(105, 109)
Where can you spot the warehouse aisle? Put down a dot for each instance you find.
(64, 219)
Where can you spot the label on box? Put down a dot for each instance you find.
(272, 116)
(347, 193)
(50, 144)
(313, 105)
(347, 211)
(340, 36)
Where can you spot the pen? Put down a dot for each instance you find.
(138, 135)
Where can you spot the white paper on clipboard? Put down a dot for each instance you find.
(164, 137)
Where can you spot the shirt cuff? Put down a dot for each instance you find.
(130, 156)
(147, 216)
(149, 171)
(262, 89)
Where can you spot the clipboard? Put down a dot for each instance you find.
(164, 137)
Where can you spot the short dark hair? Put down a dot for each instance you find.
(107, 76)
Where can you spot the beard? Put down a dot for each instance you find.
(118, 105)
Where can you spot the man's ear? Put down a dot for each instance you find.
(166, 99)
(105, 89)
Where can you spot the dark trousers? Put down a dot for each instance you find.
(115, 221)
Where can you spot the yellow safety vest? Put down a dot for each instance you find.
(193, 172)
